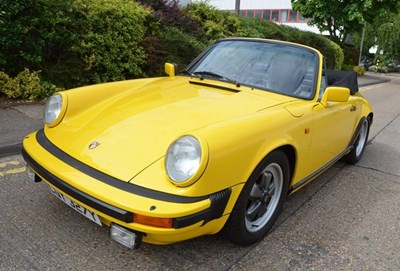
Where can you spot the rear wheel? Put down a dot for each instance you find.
(359, 145)
(260, 201)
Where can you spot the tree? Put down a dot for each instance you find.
(388, 36)
(383, 32)
(169, 14)
(339, 17)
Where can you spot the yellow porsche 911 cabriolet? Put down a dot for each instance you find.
(214, 148)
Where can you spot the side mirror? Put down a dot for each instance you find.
(170, 69)
(335, 94)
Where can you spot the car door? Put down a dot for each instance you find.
(332, 130)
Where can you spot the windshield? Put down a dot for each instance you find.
(276, 67)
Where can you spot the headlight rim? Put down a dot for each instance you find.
(201, 167)
(63, 108)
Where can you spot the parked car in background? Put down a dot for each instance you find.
(365, 62)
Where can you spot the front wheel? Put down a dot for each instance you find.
(260, 201)
(359, 145)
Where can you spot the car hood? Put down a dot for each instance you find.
(134, 129)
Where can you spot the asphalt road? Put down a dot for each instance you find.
(347, 219)
(15, 123)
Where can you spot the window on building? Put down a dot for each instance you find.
(267, 14)
(284, 15)
(275, 15)
(301, 18)
(250, 13)
(293, 16)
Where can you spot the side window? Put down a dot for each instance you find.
(323, 86)
(324, 82)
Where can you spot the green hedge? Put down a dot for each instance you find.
(79, 42)
(73, 42)
(214, 24)
(26, 85)
(171, 45)
(109, 47)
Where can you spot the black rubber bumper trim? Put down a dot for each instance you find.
(112, 181)
(77, 194)
(218, 200)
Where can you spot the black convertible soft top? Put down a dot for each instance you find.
(343, 79)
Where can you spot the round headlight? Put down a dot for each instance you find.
(53, 109)
(183, 159)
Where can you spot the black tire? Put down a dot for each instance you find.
(359, 145)
(260, 201)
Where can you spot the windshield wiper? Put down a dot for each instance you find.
(186, 72)
(200, 74)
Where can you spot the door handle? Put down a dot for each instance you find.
(353, 108)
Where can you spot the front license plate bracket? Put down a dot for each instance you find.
(76, 206)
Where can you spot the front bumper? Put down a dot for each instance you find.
(116, 201)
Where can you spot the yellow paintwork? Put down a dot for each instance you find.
(141, 118)
(153, 116)
(103, 191)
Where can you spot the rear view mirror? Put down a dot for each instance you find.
(170, 69)
(335, 94)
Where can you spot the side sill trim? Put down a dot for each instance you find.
(333, 161)
(319, 171)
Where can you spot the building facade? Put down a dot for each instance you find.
(279, 11)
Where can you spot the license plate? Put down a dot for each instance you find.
(80, 209)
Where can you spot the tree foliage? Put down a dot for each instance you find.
(339, 17)
(171, 36)
(388, 36)
(215, 24)
(71, 43)
(168, 13)
(383, 32)
(109, 46)
(32, 31)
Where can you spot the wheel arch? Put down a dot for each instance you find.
(290, 153)
(370, 118)
(237, 231)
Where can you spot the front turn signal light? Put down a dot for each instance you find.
(153, 221)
